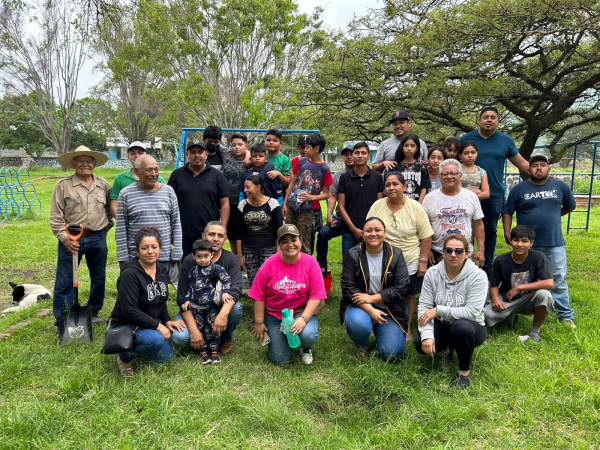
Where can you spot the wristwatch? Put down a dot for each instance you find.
(305, 319)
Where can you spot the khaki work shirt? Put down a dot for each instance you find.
(73, 202)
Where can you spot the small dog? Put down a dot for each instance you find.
(26, 295)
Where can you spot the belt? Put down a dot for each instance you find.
(88, 233)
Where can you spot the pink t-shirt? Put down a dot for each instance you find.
(281, 285)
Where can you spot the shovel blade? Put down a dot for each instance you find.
(75, 324)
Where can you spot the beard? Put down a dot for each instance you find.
(541, 177)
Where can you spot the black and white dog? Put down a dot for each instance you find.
(26, 295)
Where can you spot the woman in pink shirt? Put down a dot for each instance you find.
(293, 280)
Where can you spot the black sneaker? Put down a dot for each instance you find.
(205, 358)
(460, 381)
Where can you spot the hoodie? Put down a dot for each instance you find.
(460, 298)
(141, 301)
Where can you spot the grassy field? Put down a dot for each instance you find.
(544, 395)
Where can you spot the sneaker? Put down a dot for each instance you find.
(570, 323)
(307, 357)
(226, 348)
(205, 358)
(529, 338)
(96, 320)
(512, 321)
(460, 381)
(216, 358)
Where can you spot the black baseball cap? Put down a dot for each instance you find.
(347, 148)
(399, 115)
(196, 143)
(302, 139)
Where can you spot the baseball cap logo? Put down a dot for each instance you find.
(195, 141)
(397, 114)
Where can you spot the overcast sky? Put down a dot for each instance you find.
(336, 15)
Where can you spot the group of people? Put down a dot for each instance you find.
(419, 222)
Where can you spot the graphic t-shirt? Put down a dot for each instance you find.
(232, 170)
(507, 274)
(416, 178)
(215, 160)
(451, 214)
(471, 180)
(257, 225)
(290, 286)
(538, 207)
(312, 178)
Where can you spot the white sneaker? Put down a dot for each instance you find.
(307, 357)
(569, 323)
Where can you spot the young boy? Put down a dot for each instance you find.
(309, 185)
(203, 278)
(520, 284)
(261, 167)
(233, 169)
(282, 165)
(301, 147)
(212, 138)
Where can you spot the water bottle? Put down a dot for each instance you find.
(287, 322)
(328, 281)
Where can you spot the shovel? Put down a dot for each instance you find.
(75, 321)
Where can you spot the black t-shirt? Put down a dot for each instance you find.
(199, 197)
(256, 226)
(507, 274)
(215, 161)
(360, 194)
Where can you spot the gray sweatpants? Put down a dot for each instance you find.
(523, 305)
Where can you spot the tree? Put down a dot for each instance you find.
(228, 57)
(44, 60)
(537, 60)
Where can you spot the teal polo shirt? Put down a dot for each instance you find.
(492, 154)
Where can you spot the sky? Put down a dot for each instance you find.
(337, 14)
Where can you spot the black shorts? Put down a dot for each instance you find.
(415, 284)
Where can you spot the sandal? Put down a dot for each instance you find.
(125, 369)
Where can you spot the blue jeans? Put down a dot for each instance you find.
(348, 241)
(326, 233)
(95, 250)
(492, 208)
(148, 343)
(557, 258)
(279, 350)
(182, 338)
(389, 336)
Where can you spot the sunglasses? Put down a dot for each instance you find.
(450, 250)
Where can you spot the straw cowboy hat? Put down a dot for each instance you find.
(66, 159)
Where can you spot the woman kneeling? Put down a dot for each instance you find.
(142, 303)
(374, 281)
(288, 280)
(451, 308)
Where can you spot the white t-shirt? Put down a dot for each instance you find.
(375, 267)
(451, 214)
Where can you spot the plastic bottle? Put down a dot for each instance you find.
(287, 322)
(328, 281)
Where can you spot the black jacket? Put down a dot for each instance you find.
(355, 279)
(140, 300)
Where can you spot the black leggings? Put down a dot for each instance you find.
(462, 335)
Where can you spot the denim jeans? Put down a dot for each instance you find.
(279, 350)
(348, 241)
(326, 233)
(182, 338)
(95, 250)
(148, 343)
(557, 258)
(390, 339)
(492, 208)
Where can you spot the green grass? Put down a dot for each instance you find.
(522, 396)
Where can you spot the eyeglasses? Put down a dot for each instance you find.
(394, 219)
(450, 250)
(450, 174)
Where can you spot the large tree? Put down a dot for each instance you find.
(537, 60)
(42, 50)
(229, 58)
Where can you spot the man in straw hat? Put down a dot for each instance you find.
(82, 199)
